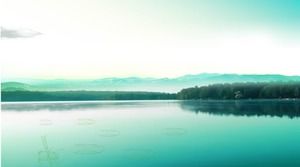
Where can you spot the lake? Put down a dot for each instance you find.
(204, 133)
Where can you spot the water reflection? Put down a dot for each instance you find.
(109, 133)
(278, 108)
(151, 134)
(67, 106)
(46, 122)
(47, 155)
(174, 131)
(139, 154)
(88, 149)
(85, 121)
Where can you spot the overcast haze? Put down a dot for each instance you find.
(79, 39)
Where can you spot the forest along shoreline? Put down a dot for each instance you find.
(228, 91)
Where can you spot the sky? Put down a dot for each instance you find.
(85, 39)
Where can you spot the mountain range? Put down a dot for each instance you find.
(140, 84)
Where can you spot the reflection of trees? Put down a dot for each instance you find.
(279, 108)
(68, 106)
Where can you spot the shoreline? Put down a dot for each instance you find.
(153, 100)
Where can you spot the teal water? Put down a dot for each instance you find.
(151, 134)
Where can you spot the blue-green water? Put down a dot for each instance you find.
(151, 134)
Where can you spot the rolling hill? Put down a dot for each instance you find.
(140, 84)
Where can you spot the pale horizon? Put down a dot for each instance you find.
(99, 39)
(9, 79)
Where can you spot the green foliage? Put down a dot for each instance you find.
(14, 86)
(267, 90)
(82, 95)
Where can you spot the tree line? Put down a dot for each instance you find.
(82, 95)
(268, 90)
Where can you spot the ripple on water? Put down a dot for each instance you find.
(139, 153)
(108, 133)
(85, 121)
(88, 149)
(174, 131)
(45, 122)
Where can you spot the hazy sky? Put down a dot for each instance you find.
(148, 38)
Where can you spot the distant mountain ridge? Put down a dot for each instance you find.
(141, 84)
(14, 86)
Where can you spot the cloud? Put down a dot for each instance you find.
(18, 33)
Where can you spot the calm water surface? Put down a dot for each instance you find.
(151, 134)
